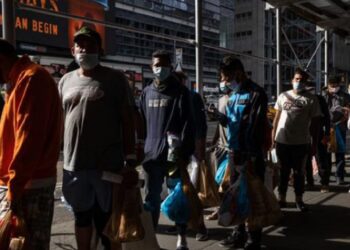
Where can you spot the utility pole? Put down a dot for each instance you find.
(8, 21)
(278, 51)
(199, 47)
(325, 57)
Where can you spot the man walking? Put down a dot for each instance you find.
(98, 135)
(338, 104)
(245, 120)
(30, 136)
(167, 110)
(298, 113)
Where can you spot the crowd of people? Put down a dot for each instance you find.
(93, 116)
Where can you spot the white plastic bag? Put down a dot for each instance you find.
(193, 170)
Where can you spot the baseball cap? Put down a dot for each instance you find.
(88, 32)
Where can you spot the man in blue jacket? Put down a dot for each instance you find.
(246, 114)
(167, 110)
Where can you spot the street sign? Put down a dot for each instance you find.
(178, 57)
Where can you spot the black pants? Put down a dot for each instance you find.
(99, 218)
(292, 157)
(308, 169)
(324, 163)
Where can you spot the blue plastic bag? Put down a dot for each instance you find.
(220, 173)
(176, 206)
(340, 139)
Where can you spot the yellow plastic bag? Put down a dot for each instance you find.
(196, 212)
(12, 232)
(332, 145)
(125, 224)
(207, 188)
(265, 210)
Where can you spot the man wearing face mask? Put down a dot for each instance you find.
(246, 118)
(297, 116)
(99, 135)
(167, 110)
(220, 138)
(338, 103)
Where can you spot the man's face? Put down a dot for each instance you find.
(160, 62)
(226, 76)
(86, 45)
(333, 88)
(297, 78)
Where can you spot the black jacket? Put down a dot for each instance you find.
(167, 110)
(254, 121)
(325, 120)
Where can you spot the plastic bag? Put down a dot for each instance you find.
(235, 207)
(207, 188)
(12, 232)
(315, 166)
(226, 182)
(6, 230)
(125, 224)
(340, 140)
(332, 145)
(195, 205)
(272, 170)
(176, 206)
(265, 210)
(220, 173)
(149, 241)
(194, 170)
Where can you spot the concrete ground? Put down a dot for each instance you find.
(325, 227)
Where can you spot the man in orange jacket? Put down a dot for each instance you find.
(30, 135)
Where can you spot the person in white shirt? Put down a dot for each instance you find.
(297, 116)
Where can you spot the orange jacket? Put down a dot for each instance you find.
(30, 128)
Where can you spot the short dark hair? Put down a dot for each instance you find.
(161, 53)
(301, 72)
(333, 79)
(7, 49)
(231, 63)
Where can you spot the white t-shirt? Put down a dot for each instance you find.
(297, 110)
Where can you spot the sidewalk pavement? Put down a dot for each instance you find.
(325, 227)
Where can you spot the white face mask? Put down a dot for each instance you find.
(161, 73)
(87, 61)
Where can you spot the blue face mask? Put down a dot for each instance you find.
(298, 86)
(226, 87)
(161, 73)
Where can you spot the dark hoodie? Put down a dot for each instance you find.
(167, 109)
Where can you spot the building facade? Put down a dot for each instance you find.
(173, 18)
